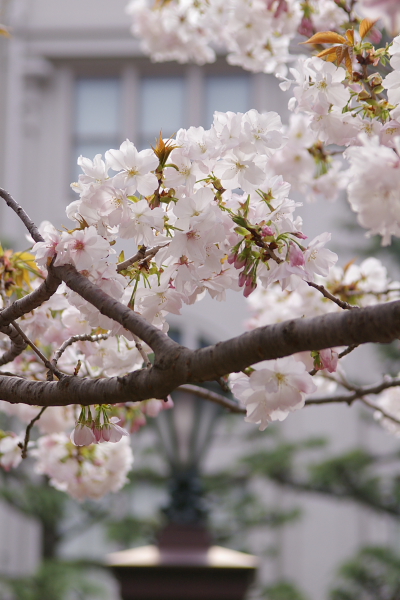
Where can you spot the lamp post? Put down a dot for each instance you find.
(184, 565)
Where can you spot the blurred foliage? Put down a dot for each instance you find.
(282, 591)
(357, 474)
(54, 580)
(131, 530)
(373, 574)
(237, 506)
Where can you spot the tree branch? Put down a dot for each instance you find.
(86, 337)
(108, 306)
(24, 446)
(18, 345)
(327, 294)
(358, 393)
(233, 407)
(141, 256)
(29, 224)
(177, 365)
(31, 301)
(38, 352)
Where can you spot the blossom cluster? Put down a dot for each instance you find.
(256, 34)
(211, 211)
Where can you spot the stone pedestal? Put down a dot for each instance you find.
(183, 566)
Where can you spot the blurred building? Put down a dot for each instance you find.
(72, 82)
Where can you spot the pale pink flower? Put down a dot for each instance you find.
(82, 435)
(135, 168)
(83, 248)
(273, 390)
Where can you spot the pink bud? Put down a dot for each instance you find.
(375, 36)
(242, 279)
(306, 27)
(106, 433)
(152, 407)
(240, 261)
(97, 433)
(249, 289)
(82, 436)
(140, 421)
(232, 257)
(267, 230)
(329, 359)
(169, 403)
(300, 235)
(281, 8)
(296, 257)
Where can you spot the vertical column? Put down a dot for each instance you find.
(195, 97)
(11, 227)
(130, 103)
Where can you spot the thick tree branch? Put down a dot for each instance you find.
(177, 366)
(18, 345)
(108, 306)
(33, 300)
(29, 224)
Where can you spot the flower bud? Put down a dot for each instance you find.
(232, 258)
(266, 231)
(240, 261)
(242, 279)
(249, 288)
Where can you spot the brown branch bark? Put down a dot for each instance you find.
(29, 224)
(31, 301)
(108, 306)
(176, 366)
(18, 345)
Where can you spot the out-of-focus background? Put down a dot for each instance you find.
(305, 496)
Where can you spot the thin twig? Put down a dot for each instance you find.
(381, 410)
(358, 392)
(36, 350)
(213, 397)
(142, 353)
(141, 255)
(87, 337)
(224, 385)
(24, 446)
(371, 293)
(29, 224)
(324, 292)
(348, 350)
(343, 353)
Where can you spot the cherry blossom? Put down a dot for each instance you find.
(276, 388)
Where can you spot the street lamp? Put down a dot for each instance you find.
(184, 565)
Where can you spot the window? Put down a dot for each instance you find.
(103, 105)
(161, 107)
(223, 93)
(97, 125)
